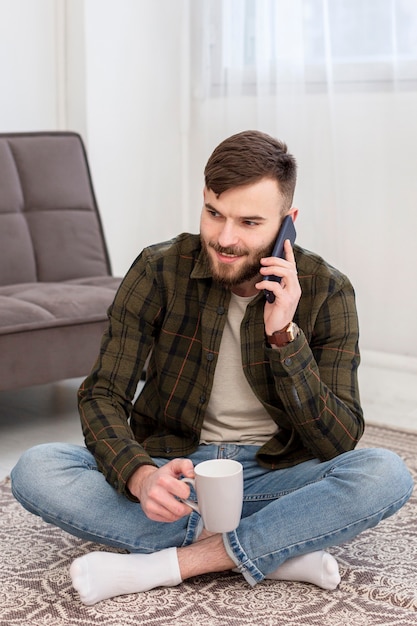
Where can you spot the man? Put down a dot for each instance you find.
(230, 375)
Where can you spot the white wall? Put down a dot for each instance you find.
(29, 64)
(115, 71)
(132, 54)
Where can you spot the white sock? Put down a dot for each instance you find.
(319, 568)
(101, 575)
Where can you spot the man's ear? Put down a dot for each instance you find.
(293, 212)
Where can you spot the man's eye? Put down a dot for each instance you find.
(250, 223)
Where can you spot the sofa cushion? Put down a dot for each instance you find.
(67, 244)
(49, 354)
(50, 226)
(16, 255)
(33, 306)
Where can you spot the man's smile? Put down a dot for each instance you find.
(227, 258)
(227, 255)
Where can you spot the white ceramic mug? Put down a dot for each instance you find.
(218, 485)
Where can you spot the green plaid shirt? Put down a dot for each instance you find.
(169, 307)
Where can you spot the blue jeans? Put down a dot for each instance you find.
(286, 512)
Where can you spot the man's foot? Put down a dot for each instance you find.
(319, 568)
(101, 575)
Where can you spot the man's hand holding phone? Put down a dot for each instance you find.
(281, 284)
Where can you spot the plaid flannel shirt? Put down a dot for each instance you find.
(168, 306)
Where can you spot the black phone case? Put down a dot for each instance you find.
(287, 231)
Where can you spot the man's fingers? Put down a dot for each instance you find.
(181, 467)
(163, 501)
(289, 252)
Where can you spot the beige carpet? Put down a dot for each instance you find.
(379, 577)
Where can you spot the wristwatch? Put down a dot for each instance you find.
(282, 337)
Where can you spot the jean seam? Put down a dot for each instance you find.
(245, 565)
(379, 515)
(192, 528)
(280, 494)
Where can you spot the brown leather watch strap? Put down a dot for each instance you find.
(282, 337)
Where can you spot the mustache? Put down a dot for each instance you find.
(228, 250)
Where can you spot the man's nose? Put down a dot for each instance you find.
(228, 235)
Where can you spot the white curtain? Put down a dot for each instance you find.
(262, 47)
(336, 80)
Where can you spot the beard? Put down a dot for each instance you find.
(229, 276)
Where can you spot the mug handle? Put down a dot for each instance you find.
(189, 503)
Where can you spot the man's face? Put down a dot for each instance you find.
(237, 229)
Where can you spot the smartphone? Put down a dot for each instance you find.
(286, 231)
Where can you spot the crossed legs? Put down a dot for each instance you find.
(283, 535)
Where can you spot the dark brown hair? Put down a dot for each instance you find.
(246, 158)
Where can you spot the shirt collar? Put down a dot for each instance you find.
(201, 267)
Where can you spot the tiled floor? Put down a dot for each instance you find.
(49, 412)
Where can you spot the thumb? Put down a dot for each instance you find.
(183, 467)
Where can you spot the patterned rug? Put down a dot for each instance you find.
(378, 568)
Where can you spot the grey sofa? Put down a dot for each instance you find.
(55, 276)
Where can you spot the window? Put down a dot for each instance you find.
(349, 44)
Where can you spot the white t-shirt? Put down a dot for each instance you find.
(234, 414)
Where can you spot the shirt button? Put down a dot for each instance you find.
(168, 450)
(202, 399)
(210, 356)
(220, 310)
(288, 361)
